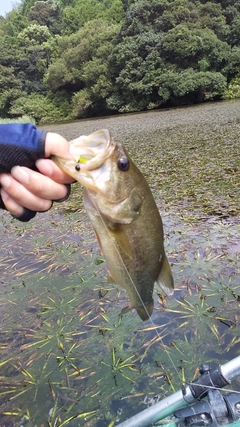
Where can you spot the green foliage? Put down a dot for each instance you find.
(212, 17)
(120, 55)
(81, 103)
(32, 56)
(47, 14)
(22, 119)
(139, 61)
(10, 88)
(233, 89)
(201, 86)
(171, 51)
(82, 68)
(13, 24)
(34, 34)
(77, 15)
(37, 106)
(62, 101)
(158, 15)
(186, 47)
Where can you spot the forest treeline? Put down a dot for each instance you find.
(68, 59)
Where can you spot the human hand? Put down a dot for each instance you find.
(25, 189)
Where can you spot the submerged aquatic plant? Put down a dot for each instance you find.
(119, 364)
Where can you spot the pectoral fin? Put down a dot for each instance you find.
(122, 240)
(165, 279)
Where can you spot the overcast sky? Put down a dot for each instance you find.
(6, 6)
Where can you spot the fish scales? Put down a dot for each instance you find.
(124, 216)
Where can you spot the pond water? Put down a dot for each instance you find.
(66, 358)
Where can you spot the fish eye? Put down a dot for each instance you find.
(123, 164)
(77, 167)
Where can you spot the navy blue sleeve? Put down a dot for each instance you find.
(20, 145)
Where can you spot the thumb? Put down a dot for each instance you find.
(56, 145)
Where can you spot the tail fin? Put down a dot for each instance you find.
(144, 311)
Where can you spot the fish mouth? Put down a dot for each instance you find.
(89, 153)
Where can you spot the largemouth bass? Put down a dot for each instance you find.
(124, 216)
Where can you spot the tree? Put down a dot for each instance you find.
(33, 56)
(48, 14)
(212, 17)
(13, 24)
(26, 6)
(187, 46)
(37, 106)
(10, 89)
(137, 62)
(76, 16)
(78, 58)
(234, 34)
(82, 68)
(167, 53)
(197, 86)
(34, 34)
(158, 16)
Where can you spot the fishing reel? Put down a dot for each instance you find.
(217, 410)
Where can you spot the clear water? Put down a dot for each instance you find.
(66, 358)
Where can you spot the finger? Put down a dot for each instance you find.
(19, 194)
(48, 168)
(11, 205)
(38, 184)
(57, 145)
(18, 212)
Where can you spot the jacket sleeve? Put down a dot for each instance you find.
(20, 145)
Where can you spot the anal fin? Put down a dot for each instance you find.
(165, 279)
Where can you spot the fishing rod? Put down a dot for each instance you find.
(217, 410)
